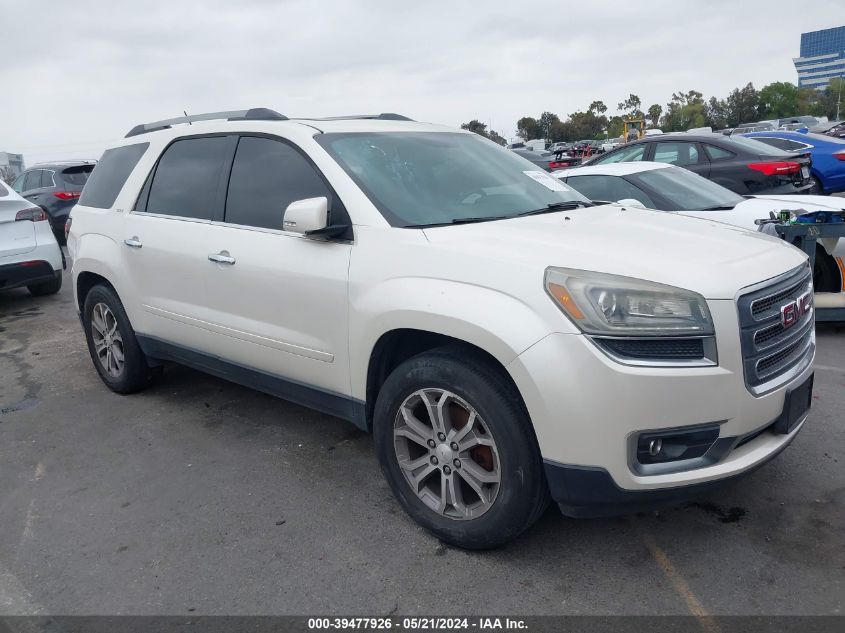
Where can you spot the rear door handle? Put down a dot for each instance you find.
(133, 241)
(222, 257)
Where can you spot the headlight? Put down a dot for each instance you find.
(611, 305)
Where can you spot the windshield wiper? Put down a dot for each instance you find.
(558, 206)
(431, 225)
(718, 207)
(479, 219)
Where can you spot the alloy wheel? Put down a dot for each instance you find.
(447, 454)
(108, 343)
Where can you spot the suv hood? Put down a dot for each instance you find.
(711, 258)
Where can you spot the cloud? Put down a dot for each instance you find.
(88, 72)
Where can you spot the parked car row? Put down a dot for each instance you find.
(55, 188)
(743, 165)
(827, 154)
(665, 187)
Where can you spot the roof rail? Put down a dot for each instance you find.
(384, 116)
(253, 114)
(71, 161)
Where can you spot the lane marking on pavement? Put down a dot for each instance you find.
(15, 599)
(829, 368)
(680, 585)
(40, 469)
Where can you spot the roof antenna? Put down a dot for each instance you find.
(186, 116)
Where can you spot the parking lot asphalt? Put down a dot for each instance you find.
(199, 496)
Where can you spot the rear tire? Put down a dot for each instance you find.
(816, 188)
(46, 288)
(114, 349)
(499, 444)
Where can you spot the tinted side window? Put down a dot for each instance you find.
(676, 153)
(186, 178)
(611, 188)
(267, 176)
(47, 178)
(780, 143)
(18, 184)
(628, 154)
(717, 153)
(110, 175)
(32, 180)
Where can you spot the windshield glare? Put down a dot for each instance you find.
(424, 178)
(685, 190)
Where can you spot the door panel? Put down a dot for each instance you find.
(165, 241)
(166, 275)
(282, 306)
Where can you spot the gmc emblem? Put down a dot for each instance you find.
(792, 312)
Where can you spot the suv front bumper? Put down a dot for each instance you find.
(588, 410)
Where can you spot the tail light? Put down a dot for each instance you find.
(558, 164)
(840, 155)
(35, 214)
(775, 168)
(67, 195)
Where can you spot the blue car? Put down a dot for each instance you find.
(827, 153)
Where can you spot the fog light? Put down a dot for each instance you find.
(655, 447)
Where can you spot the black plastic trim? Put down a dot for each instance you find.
(260, 114)
(589, 491)
(338, 405)
(26, 274)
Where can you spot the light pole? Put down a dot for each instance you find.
(839, 96)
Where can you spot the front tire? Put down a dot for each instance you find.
(826, 277)
(457, 448)
(114, 349)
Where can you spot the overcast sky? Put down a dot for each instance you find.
(80, 74)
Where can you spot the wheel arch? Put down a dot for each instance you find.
(96, 259)
(398, 345)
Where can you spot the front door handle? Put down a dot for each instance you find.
(222, 257)
(133, 241)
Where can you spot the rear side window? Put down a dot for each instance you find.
(32, 180)
(110, 174)
(717, 153)
(676, 153)
(780, 143)
(267, 176)
(47, 178)
(187, 176)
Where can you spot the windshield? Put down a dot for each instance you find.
(685, 190)
(423, 178)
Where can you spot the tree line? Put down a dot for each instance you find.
(685, 110)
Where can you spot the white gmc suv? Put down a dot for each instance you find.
(505, 341)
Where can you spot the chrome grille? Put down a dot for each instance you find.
(771, 352)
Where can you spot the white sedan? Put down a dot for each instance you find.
(669, 188)
(29, 253)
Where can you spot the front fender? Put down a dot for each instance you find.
(498, 323)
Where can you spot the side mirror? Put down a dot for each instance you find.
(305, 216)
(631, 202)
